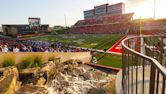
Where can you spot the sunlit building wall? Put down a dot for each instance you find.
(105, 10)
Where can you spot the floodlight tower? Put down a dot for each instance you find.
(65, 20)
(154, 11)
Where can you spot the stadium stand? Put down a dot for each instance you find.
(118, 24)
(104, 29)
(150, 26)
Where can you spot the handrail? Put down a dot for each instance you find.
(135, 63)
(154, 61)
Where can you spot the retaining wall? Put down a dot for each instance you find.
(83, 56)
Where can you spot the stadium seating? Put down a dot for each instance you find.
(118, 24)
(102, 29)
(150, 27)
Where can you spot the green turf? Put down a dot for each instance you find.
(62, 31)
(110, 60)
(98, 41)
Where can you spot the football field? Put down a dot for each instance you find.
(97, 41)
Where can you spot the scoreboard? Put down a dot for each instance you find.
(34, 22)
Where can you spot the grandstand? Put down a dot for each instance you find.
(112, 20)
(104, 19)
(150, 26)
(117, 24)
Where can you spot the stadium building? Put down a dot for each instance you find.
(105, 10)
(104, 19)
(14, 30)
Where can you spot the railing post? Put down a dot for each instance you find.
(152, 79)
(161, 50)
(128, 68)
(136, 63)
(132, 73)
(143, 75)
(123, 69)
(162, 63)
(163, 86)
(132, 59)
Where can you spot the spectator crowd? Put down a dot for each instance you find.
(10, 45)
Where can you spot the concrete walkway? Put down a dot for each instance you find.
(132, 87)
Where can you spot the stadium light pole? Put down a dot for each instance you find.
(141, 35)
(154, 11)
(65, 20)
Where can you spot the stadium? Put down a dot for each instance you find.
(108, 52)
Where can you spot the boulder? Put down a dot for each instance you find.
(10, 70)
(7, 84)
(48, 70)
(29, 75)
(41, 81)
(32, 89)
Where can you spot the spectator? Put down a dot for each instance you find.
(4, 48)
(35, 46)
(94, 60)
(16, 49)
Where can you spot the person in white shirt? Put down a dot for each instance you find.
(16, 49)
(46, 50)
(5, 48)
(94, 60)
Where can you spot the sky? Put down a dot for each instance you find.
(53, 12)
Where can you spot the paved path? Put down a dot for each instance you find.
(140, 85)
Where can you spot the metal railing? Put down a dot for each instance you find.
(143, 69)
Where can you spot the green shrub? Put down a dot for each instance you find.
(37, 62)
(53, 59)
(25, 63)
(8, 62)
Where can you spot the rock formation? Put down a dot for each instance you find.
(70, 77)
(77, 78)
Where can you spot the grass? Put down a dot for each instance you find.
(25, 63)
(8, 62)
(62, 31)
(30, 62)
(99, 41)
(54, 59)
(37, 62)
(95, 41)
(110, 60)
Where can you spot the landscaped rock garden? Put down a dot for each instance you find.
(70, 77)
